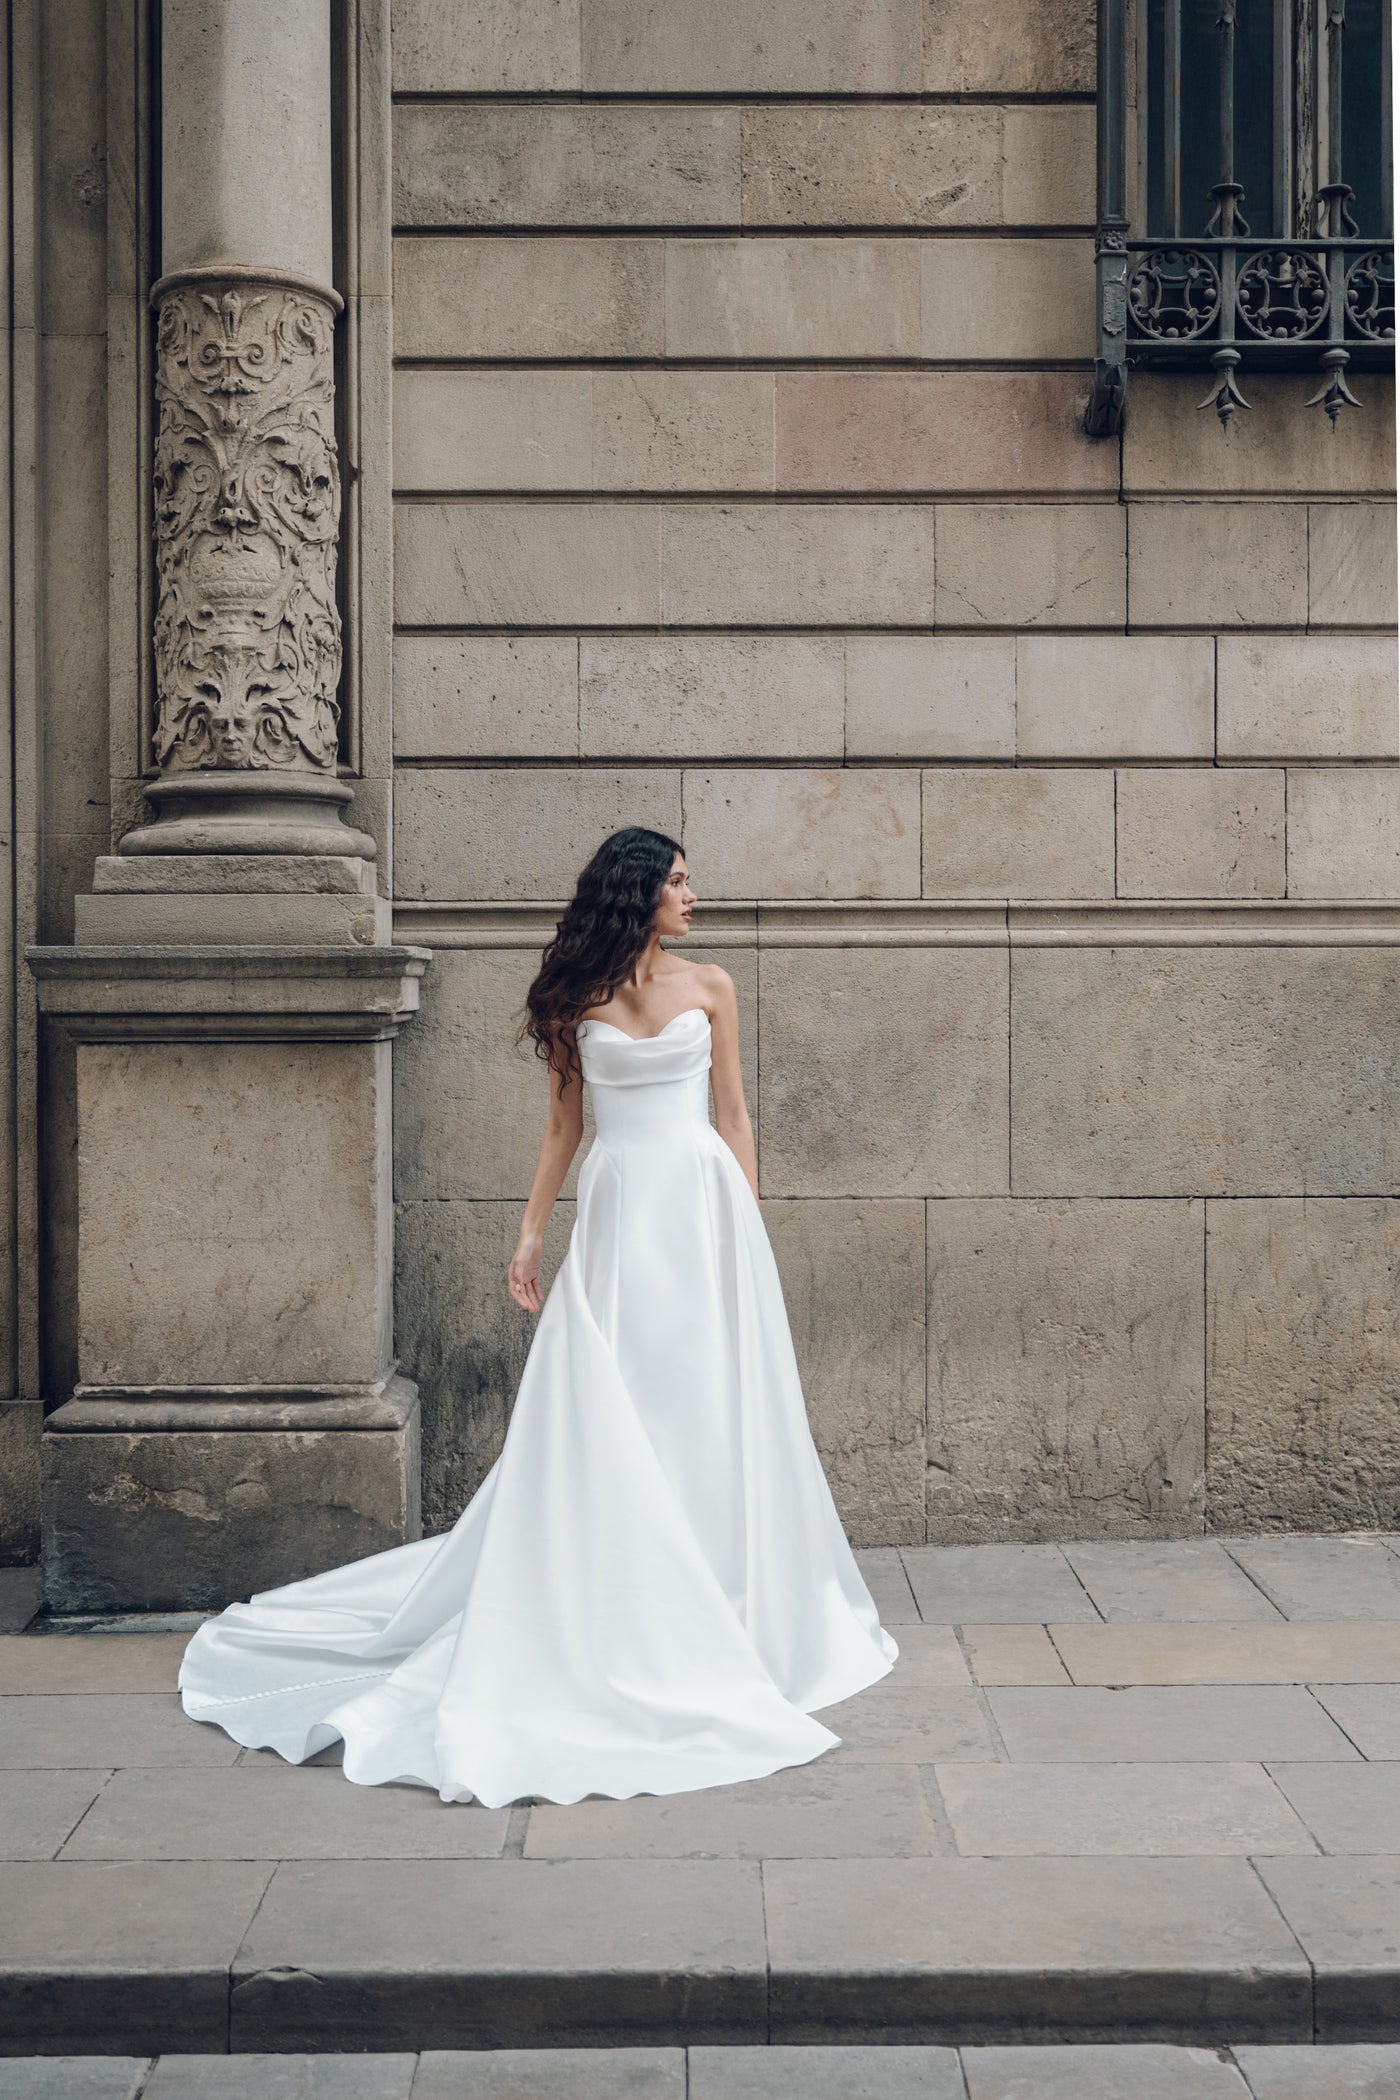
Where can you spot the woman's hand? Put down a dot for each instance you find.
(524, 1272)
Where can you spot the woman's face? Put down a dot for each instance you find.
(677, 900)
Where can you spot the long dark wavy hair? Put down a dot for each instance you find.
(597, 942)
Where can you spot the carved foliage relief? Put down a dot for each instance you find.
(247, 500)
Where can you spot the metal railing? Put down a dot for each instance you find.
(1226, 296)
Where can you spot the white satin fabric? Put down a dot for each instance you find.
(651, 1590)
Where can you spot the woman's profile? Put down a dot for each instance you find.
(651, 1590)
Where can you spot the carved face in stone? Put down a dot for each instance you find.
(240, 708)
(239, 727)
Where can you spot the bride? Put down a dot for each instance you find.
(651, 1589)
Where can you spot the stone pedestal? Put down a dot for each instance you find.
(233, 992)
(238, 1421)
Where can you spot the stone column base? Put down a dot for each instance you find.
(160, 1505)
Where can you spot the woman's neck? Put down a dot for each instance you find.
(645, 965)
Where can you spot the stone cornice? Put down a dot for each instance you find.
(119, 995)
(1207, 923)
(388, 1403)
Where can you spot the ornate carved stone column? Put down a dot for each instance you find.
(247, 483)
(233, 991)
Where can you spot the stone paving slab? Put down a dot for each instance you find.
(1196, 1723)
(118, 1958)
(1042, 1949)
(503, 1953)
(1148, 1810)
(52, 1731)
(387, 2077)
(814, 2073)
(1369, 1714)
(1349, 2071)
(903, 1720)
(1146, 2071)
(1177, 1579)
(931, 1654)
(991, 1584)
(127, 1662)
(883, 1569)
(825, 1810)
(295, 1814)
(39, 1809)
(552, 2074)
(1327, 1578)
(1346, 1915)
(73, 2077)
(1361, 1651)
(1013, 1655)
(1352, 1808)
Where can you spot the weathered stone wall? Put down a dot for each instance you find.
(1043, 792)
(741, 354)
(60, 665)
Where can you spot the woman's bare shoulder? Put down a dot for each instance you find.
(709, 977)
(714, 985)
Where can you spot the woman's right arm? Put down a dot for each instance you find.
(560, 1143)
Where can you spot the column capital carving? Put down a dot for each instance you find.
(221, 274)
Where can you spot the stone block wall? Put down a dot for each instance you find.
(1041, 792)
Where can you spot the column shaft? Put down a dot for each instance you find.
(247, 631)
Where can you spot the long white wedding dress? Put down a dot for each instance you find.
(651, 1589)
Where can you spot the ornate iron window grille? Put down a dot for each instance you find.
(1311, 286)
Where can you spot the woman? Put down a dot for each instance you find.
(651, 1590)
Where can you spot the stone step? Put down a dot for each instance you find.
(164, 1922)
(123, 1957)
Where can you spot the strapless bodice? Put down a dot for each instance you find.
(647, 1087)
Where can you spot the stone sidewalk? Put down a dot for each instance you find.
(1110, 1793)
(1115, 2071)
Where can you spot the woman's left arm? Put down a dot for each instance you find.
(726, 1077)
